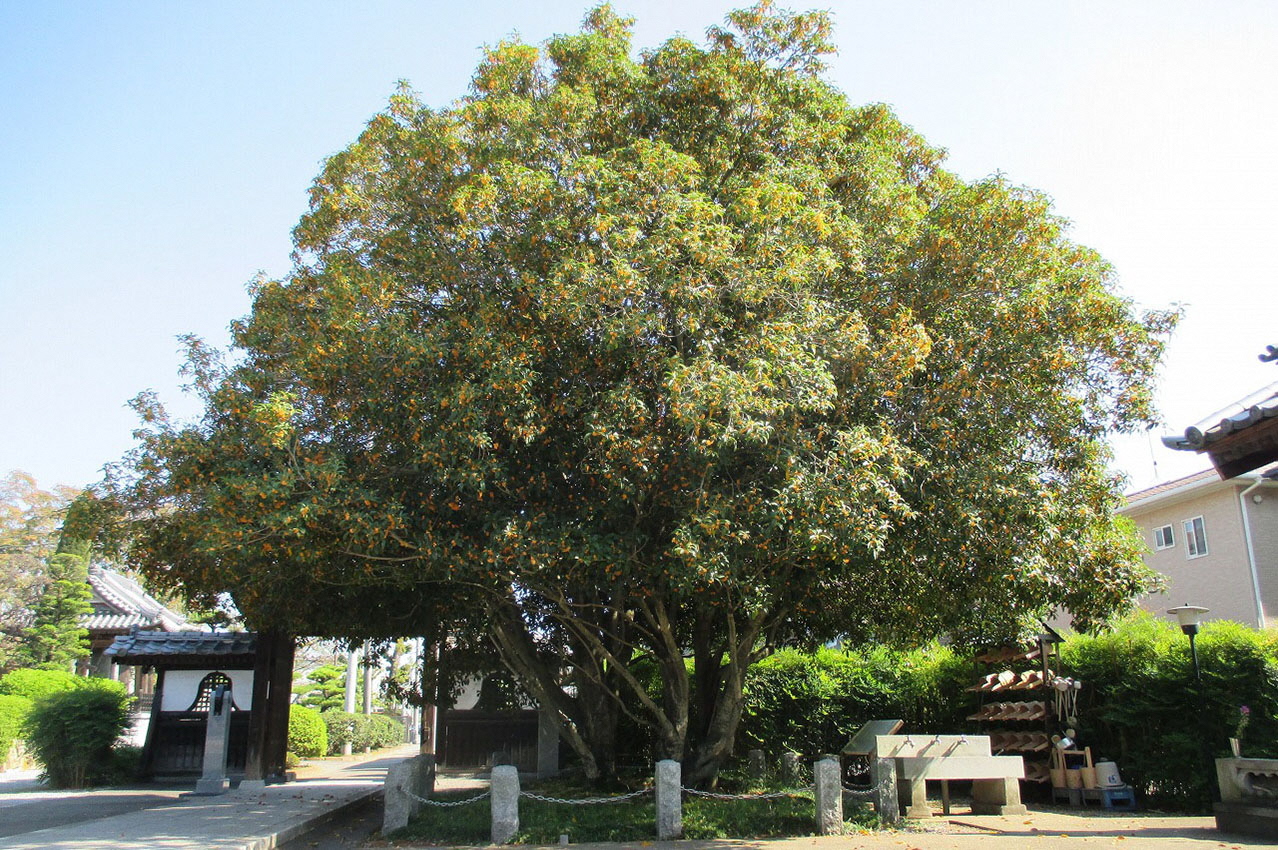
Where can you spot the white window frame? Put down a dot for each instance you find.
(1164, 537)
(1195, 537)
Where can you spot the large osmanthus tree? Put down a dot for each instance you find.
(630, 361)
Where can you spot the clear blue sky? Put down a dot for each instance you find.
(155, 155)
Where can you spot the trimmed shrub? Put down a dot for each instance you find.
(385, 731)
(34, 684)
(307, 734)
(362, 730)
(343, 727)
(72, 732)
(13, 713)
(812, 703)
(1142, 707)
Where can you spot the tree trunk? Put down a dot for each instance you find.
(517, 652)
(715, 747)
(723, 699)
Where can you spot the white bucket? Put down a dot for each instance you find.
(1107, 775)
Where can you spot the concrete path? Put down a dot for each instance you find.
(234, 821)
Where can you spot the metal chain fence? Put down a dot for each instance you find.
(586, 801)
(772, 795)
(445, 804)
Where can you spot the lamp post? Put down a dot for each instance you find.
(1189, 617)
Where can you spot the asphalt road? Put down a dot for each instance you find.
(27, 811)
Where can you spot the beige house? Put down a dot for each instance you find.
(1215, 541)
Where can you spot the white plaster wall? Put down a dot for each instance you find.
(181, 687)
(469, 695)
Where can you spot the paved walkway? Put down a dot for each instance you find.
(162, 818)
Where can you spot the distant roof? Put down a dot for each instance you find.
(1239, 438)
(185, 649)
(1195, 483)
(1176, 484)
(120, 603)
(114, 622)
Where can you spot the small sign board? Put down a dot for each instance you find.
(862, 743)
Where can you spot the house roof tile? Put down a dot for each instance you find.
(1175, 484)
(126, 598)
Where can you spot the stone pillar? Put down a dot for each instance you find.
(669, 797)
(755, 767)
(790, 766)
(368, 677)
(415, 776)
(829, 796)
(217, 737)
(547, 743)
(504, 795)
(428, 658)
(352, 670)
(883, 778)
(348, 701)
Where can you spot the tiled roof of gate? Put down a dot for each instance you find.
(156, 648)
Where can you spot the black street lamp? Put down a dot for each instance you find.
(1189, 617)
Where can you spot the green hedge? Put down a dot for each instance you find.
(34, 684)
(362, 730)
(72, 733)
(307, 735)
(1141, 706)
(13, 714)
(812, 703)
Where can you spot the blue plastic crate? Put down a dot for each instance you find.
(1121, 797)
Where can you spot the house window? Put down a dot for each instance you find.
(1163, 538)
(1195, 537)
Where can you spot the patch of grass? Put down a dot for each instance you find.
(469, 824)
(770, 818)
(634, 820)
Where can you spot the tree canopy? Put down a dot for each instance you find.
(29, 520)
(55, 637)
(624, 360)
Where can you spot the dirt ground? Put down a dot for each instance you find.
(1041, 829)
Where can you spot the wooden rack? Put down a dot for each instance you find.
(1023, 725)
